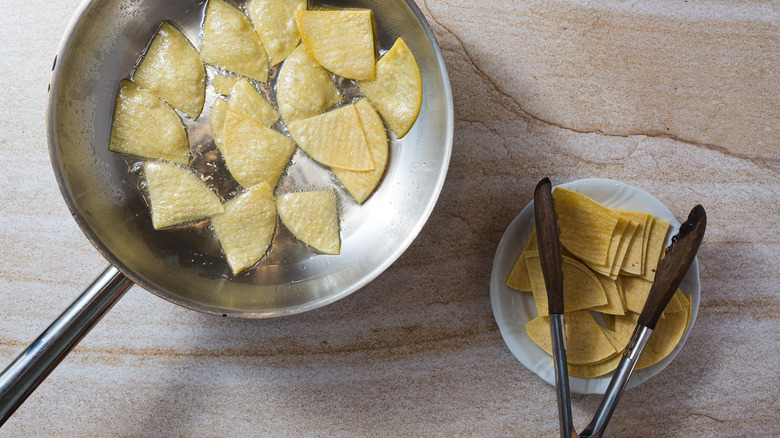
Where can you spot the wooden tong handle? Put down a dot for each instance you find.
(548, 237)
(674, 266)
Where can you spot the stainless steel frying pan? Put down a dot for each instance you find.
(104, 41)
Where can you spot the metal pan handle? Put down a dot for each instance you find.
(34, 364)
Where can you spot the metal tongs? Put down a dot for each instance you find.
(548, 237)
(671, 270)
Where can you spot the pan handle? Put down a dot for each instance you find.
(34, 364)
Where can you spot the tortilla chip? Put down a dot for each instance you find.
(677, 303)
(614, 304)
(518, 278)
(625, 240)
(655, 245)
(613, 339)
(581, 288)
(587, 371)
(614, 245)
(586, 226)
(609, 320)
(665, 337)
(636, 290)
(624, 326)
(585, 341)
(633, 263)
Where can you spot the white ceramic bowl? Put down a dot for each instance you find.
(513, 309)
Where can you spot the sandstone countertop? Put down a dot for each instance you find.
(679, 98)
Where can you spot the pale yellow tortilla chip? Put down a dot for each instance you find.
(230, 41)
(655, 245)
(518, 279)
(147, 127)
(246, 100)
(312, 217)
(217, 115)
(254, 153)
(586, 226)
(614, 304)
(624, 326)
(177, 195)
(677, 303)
(342, 41)
(246, 227)
(615, 242)
(360, 184)
(334, 138)
(223, 84)
(274, 22)
(587, 371)
(397, 89)
(613, 339)
(664, 339)
(636, 290)
(585, 341)
(172, 69)
(304, 89)
(581, 288)
(633, 263)
(625, 241)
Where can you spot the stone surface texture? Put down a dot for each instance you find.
(678, 98)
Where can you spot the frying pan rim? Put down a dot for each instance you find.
(64, 46)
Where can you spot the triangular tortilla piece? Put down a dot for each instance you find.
(618, 237)
(145, 126)
(274, 22)
(342, 41)
(655, 246)
(177, 195)
(624, 326)
(254, 153)
(334, 138)
(217, 115)
(636, 290)
(245, 99)
(229, 41)
(586, 226)
(581, 288)
(614, 304)
(585, 342)
(625, 240)
(312, 217)
(360, 184)
(633, 263)
(171, 68)
(304, 88)
(613, 339)
(588, 371)
(397, 90)
(224, 84)
(664, 339)
(247, 226)
(687, 310)
(518, 278)
(609, 320)
(677, 303)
